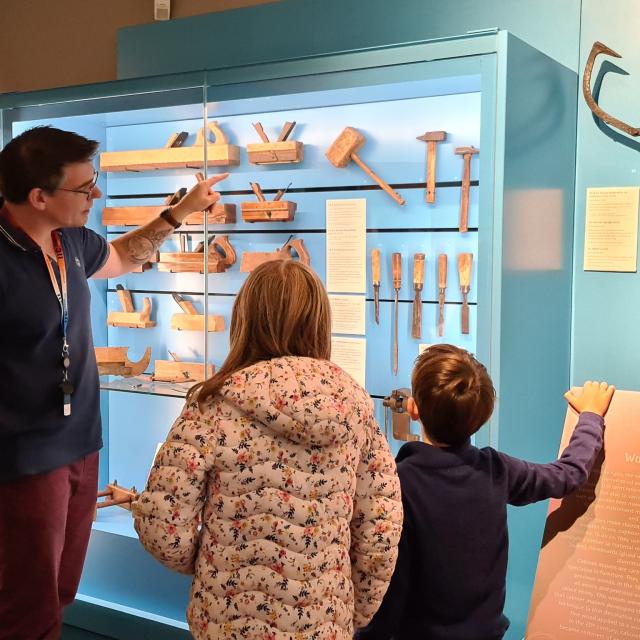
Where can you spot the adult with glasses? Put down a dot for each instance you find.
(50, 430)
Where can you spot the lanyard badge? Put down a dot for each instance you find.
(63, 299)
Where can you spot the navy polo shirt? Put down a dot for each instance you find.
(35, 436)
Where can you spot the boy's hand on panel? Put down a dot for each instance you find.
(594, 397)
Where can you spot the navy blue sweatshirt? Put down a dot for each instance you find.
(449, 581)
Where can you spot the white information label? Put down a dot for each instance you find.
(350, 354)
(346, 245)
(611, 229)
(347, 314)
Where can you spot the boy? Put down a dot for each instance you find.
(449, 581)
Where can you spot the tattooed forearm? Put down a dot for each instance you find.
(139, 246)
(142, 246)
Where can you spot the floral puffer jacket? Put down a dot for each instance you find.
(283, 499)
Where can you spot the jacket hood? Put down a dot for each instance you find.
(306, 400)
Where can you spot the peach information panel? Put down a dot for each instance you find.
(588, 579)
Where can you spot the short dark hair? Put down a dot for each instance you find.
(453, 393)
(37, 157)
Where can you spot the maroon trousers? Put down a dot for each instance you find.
(45, 523)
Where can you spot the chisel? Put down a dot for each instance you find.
(442, 286)
(418, 281)
(375, 276)
(396, 267)
(464, 275)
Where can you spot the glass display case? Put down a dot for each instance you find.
(497, 212)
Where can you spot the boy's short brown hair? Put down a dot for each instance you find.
(453, 393)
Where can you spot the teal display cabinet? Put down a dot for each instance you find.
(488, 90)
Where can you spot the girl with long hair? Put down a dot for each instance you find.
(275, 486)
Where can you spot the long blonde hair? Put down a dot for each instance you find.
(282, 309)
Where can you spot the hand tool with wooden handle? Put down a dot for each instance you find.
(466, 153)
(177, 140)
(375, 277)
(263, 136)
(185, 305)
(396, 268)
(287, 128)
(432, 138)
(464, 274)
(281, 192)
(125, 299)
(418, 282)
(442, 286)
(255, 187)
(199, 248)
(345, 148)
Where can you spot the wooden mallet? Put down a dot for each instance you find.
(466, 153)
(345, 148)
(432, 138)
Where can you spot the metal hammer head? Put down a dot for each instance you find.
(433, 136)
(463, 151)
(348, 142)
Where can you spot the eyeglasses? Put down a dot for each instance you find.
(88, 191)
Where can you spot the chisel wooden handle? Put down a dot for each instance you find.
(464, 274)
(442, 271)
(418, 270)
(396, 268)
(464, 271)
(375, 266)
(125, 299)
(442, 285)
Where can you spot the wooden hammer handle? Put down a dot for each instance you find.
(442, 271)
(396, 268)
(467, 154)
(464, 270)
(418, 269)
(396, 196)
(375, 266)
(431, 171)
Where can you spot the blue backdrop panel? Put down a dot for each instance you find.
(117, 570)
